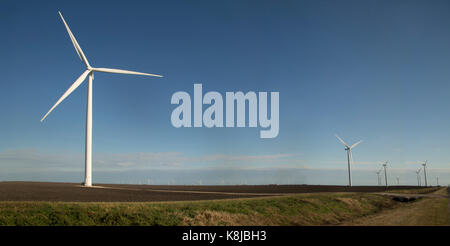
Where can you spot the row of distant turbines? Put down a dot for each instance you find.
(419, 178)
(349, 148)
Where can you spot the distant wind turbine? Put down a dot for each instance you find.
(379, 177)
(385, 173)
(89, 71)
(418, 176)
(425, 172)
(349, 157)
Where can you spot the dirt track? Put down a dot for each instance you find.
(431, 211)
(41, 191)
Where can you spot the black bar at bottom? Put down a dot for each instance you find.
(225, 235)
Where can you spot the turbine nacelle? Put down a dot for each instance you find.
(348, 147)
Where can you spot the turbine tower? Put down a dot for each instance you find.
(425, 172)
(418, 176)
(349, 157)
(385, 174)
(89, 72)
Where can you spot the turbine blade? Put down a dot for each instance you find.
(67, 93)
(342, 141)
(351, 157)
(112, 70)
(354, 145)
(75, 43)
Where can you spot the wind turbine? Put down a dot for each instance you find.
(349, 157)
(398, 180)
(379, 177)
(89, 72)
(425, 172)
(385, 174)
(418, 176)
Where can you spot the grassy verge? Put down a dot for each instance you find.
(303, 209)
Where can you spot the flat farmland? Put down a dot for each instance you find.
(72, 192)
(40, 203)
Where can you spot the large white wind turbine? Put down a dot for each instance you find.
(349, 157)
(89, 72)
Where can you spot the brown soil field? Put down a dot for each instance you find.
(266, 189)
(72, 192)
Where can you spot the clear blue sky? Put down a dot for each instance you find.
(371, 70)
